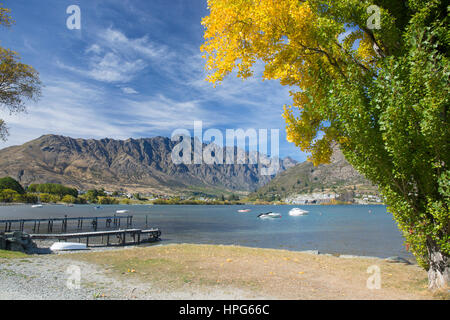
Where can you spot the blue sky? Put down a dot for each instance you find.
(133, 70)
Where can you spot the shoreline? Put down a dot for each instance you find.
(187, 271)
(46, 244)
(11, 204)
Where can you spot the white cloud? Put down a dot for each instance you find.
(95, 48)
(128, 90)
(115, 58)
(81, 110)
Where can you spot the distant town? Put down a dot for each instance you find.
(11, 191)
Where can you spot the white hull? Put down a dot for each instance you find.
(296, 212)
(67, 246)
(37, 206)
(122, 211)
(270, 216)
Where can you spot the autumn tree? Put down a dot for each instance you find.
(381, 93)
(18, 82)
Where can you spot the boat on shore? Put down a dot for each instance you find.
(67, 246)
(269, 215)
(296, 212)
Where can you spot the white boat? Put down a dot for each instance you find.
(37, 206)
(244, 210)
(269, 215)
(122, 211)
(68, 246)
(298, 212)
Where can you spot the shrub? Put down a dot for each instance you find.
(107, 200)
(69, 199)
(11, 184)
(53, 188)
(8, 195)
(49, 198)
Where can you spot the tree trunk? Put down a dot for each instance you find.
(439, 271)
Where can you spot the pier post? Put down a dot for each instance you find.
(64, 224)
(124, 238)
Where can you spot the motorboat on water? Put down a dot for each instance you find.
(67, 246)
(269, 215)
(244, 210)
(122, 211)
(298, 212)
(37, 206)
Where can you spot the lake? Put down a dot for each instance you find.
(356, 230)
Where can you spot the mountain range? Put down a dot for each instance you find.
(133, 165)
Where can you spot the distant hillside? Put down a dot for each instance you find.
(133, 165)
(303, 178)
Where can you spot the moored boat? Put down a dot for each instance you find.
(244, 210)
(37, 206)
(269, 215)
(122, 211)
(298, 212)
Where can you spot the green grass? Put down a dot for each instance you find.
(11, 254)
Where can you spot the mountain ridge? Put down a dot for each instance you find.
(138, 165)
(338, 177)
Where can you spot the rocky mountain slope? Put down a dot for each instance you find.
(133, 165)
(337, 177)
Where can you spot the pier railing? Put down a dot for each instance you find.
(52, 225)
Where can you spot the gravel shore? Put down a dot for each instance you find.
(46, 277)
(206, 272)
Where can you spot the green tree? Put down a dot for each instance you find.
(107, 200)
(10, 183)
(381, 94)
(53, 188)
(69, 199)
(49, 198)
(92, 195)
(18, 82)
(8, 195)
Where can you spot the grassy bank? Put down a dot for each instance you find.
(273, 273)
(11, 254)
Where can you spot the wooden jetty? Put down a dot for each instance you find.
(110, 222)
(121, 235)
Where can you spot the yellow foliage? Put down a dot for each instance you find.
(300, 48)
